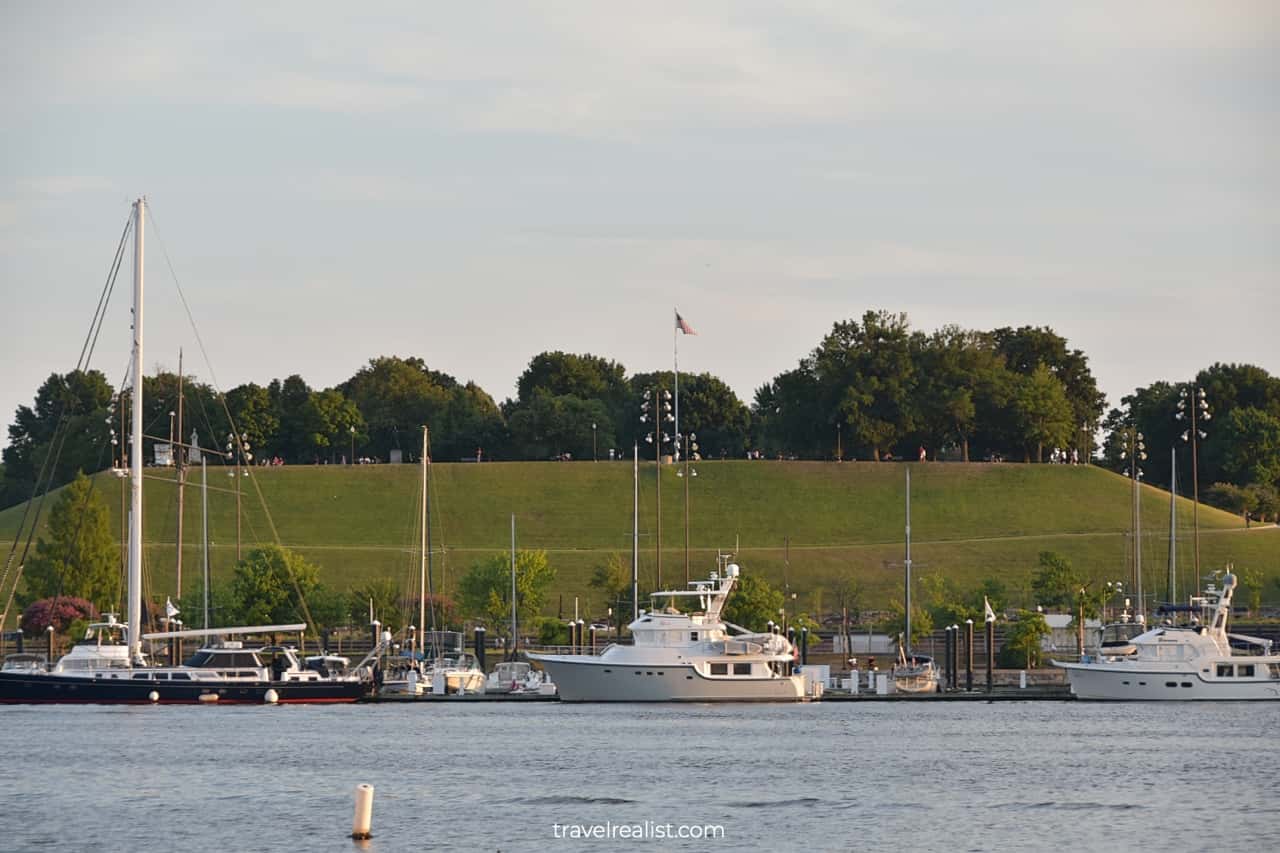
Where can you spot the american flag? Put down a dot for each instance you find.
(683, 326)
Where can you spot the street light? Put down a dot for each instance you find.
(352, 457)
(1135, 451)
(691, 451)
(594, 458)
(655, 409)
(1198, 408)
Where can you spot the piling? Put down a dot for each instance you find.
(593, 639)
(48, 633)
(946, 658)
(991, 652)
(968, 654)
(955, 657)
(804, 646)
(480, 632)
(362, 822)
(582, 636)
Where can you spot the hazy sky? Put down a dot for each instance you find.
(476, 183)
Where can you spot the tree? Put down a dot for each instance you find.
(80, 558)
(254, 416)
(586, 376)
(866, 375)
(1253, 581)
(270, 584)
(961, 371)
(486, 588)
(1022, 640)
(68, 420)
(1042, 412)
(1230, 497)
(921, 622)
(325, 424)
(1055, 582)
(753, 603)
(1026, 348)
(1251, 440)
(60, 612)
(552, 426)
(708, 408)
(385, 598)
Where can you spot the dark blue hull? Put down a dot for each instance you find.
(28, 687)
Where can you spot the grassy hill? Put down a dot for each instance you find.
(968, 522)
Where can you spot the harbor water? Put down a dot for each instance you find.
(499, 776)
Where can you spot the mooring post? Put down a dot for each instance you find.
(48, 632)
(968, 654)
(593, 639)
(362, 822)
(991, 652)
(480, 632)
(804, 646)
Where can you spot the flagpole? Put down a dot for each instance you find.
(675, 349)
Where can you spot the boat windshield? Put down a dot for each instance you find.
(1121, 633)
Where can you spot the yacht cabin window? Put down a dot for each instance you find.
(742, 669)
(1224, 670)
(1244, 670)
(719, 669)
(693, 636)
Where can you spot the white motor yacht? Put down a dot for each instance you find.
(460, 673)
(1200, 661)
(683, 657)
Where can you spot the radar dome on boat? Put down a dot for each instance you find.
(732, 570)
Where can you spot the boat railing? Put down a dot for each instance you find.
(574, 650)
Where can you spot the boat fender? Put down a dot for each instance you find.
(208, 697)
(271, 697)
(153, 696)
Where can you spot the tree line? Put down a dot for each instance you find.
(872, 388)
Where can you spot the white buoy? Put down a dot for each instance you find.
(271, 697)
(153, 696)
(362, 823)
(208, 697)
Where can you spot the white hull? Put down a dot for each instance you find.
(1120, 682)
(582, 678)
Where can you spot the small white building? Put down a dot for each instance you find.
(1062, 633)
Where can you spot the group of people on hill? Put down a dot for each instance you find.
(1062, 456)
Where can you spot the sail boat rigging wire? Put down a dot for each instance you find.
(49, 466)
(235, 431)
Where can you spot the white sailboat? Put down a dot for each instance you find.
(110, 666)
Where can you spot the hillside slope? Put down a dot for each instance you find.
(968, 521)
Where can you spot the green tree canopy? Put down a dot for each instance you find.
(266, 584)
(1055, 583)
(753, 603)
(486, 588)
(1042, 412)
(80, 557)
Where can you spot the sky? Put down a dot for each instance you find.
(477, 183)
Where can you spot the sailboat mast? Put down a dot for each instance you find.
(179, 451)
(204, 516)
(1173, 526)
(135, 459)
(426, 524)
(422, 597)
(906, 562)
(515, 643)
(635, 532)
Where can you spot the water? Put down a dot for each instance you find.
(497, 776)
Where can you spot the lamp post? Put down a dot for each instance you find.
(655, 408)
(1199, 407)
(839, 441)
(691, 451)
(352, 457)
(594, 457)
(1135, 451)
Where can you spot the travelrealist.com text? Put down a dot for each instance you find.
(644, 830)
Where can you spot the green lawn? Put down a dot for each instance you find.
(968, 521)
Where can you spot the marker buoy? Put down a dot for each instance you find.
(271, 697)
(153, 696)
(362, 823)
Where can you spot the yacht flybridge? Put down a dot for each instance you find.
(110, 664)
(1200, 661)
(684, 656)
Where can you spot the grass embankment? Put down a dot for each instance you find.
(968, 522)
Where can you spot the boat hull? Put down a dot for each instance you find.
(591, 679)
(1125, 683)
(37, 688)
